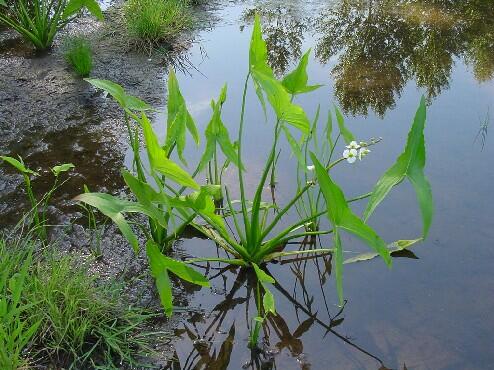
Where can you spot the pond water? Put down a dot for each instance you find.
(432, 310)
(375, 59)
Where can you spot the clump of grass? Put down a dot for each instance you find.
(15, 333)
(59, 315)
(79, 54)
(151, 22)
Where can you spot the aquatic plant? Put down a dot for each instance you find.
(151, 22)
(38, 206)
(257, 235)
(38, 21)
(78, 53)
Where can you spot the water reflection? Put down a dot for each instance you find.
(380, 45)
(219, 339)
(283, 31)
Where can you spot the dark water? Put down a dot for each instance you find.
(375, 59)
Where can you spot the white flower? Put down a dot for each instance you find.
(311, 168)
(363, 143)
(363, 152)
(353, 145)
(350, 155)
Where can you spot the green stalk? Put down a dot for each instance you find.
(243, 200)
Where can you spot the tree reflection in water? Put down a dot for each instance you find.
(382, 44)
(211, 348)
(283, 31)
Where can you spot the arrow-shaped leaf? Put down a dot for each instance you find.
(342, 218)
(296, 81)
(179, 119)
(19, 165)
(118, 93)
(410, 164)
(114, 208)
(160, 265)
(158, 157)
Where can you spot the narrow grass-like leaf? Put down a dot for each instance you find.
(410, 164)
(345, 132)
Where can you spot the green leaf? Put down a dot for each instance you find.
(3, 3)
(160, 275)
(179, 119)
(74, 6)
(296, 149)
(345, 132)
(126, 101)
(268, 298)
(258, 51)
(262, 276)
(202, 202)
(158, 157)
(280, 101)
(19, 165)
(410, 164)
(396, 246)
(115, 208)
(217, 134)
(57, 170)
(329, 130)
(296, 81)
(342, 218)
(160, 265)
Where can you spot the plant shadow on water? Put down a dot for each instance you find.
(214, 338)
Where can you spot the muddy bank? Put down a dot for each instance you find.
(49, 116)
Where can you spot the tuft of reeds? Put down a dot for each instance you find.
(153, 22)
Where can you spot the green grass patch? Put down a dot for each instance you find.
(55, 312)
(78, 53)
(152, 22)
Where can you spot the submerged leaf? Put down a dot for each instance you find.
(394, 247)
(268, 298)
(410, 164)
